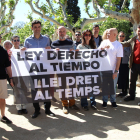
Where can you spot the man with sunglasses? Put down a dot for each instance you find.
(21, 108)
(77, 38)
(97, 37)
(38, 41)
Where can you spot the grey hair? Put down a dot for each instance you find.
(6, 42)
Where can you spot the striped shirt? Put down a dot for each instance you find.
(66, 44)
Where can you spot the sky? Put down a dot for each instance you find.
(22, 10)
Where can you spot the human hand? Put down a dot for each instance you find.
(11, 82)
(57, 49)
(48, 47)
(77, 50)
(114, 75)
(71, 49)
(23, 49)
(106, 47)
(9, 52)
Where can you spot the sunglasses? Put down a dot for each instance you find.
(16, 40)
(77, 34)
(121, 35)
(87, 34)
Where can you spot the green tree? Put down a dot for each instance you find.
(47, 28)
(73, 10)
(7, 8)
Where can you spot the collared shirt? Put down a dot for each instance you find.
(41, 42)
(96, 41)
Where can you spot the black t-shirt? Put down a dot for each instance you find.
(4, 62)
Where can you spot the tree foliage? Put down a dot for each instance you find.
(7, 8)
(73, 10)
(26, 31)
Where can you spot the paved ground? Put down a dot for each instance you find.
(109, 124)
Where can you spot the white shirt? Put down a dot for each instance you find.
(115, 50)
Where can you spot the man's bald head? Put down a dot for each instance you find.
(112, 34)
(61, 33)
(114, 30)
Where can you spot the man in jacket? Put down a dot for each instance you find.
(134, 62)
(97, 37)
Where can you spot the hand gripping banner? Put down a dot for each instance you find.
(40, 75)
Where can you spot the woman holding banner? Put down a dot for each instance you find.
(87, 43)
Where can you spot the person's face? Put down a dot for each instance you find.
(36, 28)
(121, 37)
(16, 42)
(87, 36)
(96, 30)
(77, 36)
(110, 34)
(138, 31)
(7, 46)
(61, 33)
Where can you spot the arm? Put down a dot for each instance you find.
(8, 69)
(117, 67)
(25, 46)
(128, 43)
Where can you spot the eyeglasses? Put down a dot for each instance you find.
(87, 34)
(121, 35)
(77, 34)
(16, 40)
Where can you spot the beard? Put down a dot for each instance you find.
(61, 37)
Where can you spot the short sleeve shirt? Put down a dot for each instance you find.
(4, 62)
(115, 50)
(32, 42)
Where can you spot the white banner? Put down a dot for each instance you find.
(43, 61)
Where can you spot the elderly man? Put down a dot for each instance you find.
(21, 108)
(4, 67)
(134, 62)
(63, 43)
(97, 37)
(115, 52)
(38, 41)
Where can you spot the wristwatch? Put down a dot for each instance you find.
(116, 71)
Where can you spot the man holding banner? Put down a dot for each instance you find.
(63, 43)
(38, 41)
(5, 66)
(115, 53)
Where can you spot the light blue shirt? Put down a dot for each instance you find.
(97, 41)
(32, 42)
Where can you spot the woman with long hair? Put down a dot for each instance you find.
(87, 43)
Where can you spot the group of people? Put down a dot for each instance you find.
(119, 52)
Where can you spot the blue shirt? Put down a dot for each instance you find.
(97, 41)
(32, 42)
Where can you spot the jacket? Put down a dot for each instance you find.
(130, 43)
